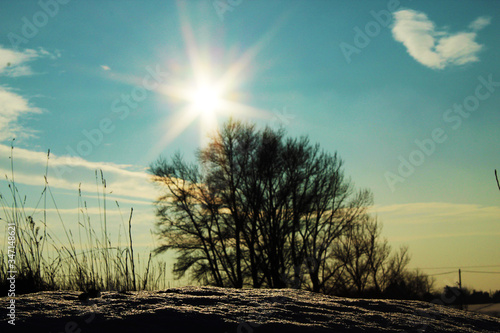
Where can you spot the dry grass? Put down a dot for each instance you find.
(44, 262)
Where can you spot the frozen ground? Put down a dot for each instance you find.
(492, 309)
(200, 309)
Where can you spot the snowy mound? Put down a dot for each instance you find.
(203, 309)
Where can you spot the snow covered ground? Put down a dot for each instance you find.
(491, 309)
(207, 309)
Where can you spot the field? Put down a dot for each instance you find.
(492, 309)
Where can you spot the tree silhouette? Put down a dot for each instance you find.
(496, 177)
(257, 209)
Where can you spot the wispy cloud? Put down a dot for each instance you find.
(105, 67)
(436, 212)
(40, 158)
(443, 236)
(12, 108)
(122, 181)
(480, 23)
(14, 63)
(10, 60)
(127, 185)
(17, 71)
(435, 47)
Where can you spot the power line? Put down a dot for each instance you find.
(454, 272)
(481, 272)
(457, 267)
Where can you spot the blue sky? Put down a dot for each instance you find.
(407, 92)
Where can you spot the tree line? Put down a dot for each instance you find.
(260, 209)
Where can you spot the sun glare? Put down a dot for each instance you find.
(210, 94)
(206, 98)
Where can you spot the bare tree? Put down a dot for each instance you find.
(362, 263)
(257, 209)
(496, 177)
(353, 253)
(189, 221)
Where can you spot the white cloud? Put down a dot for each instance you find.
(459, 49)
(52, 55)
(12, 107)
(480, 23)
(129, 186)
(436, 212)
(106, 68)
(433, 47)
(10, 59)
(13, 63)
(40, 158)
(121, 181)
(17, 71)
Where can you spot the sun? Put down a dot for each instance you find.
(206, 101)
(208, 88)
(206, 98)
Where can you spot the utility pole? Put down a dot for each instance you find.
(460, 289)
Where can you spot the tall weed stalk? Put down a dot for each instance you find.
(44, 262)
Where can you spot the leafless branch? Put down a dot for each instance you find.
(496, 176)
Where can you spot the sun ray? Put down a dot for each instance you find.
(209, 94)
